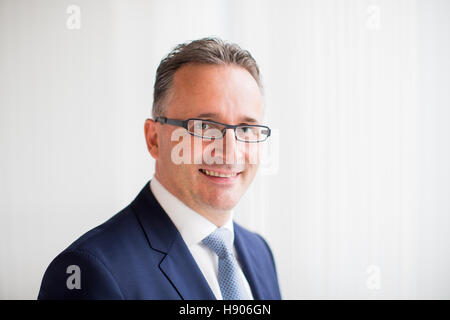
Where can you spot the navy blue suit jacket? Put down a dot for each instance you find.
(139, 254)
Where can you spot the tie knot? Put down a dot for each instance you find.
(220, 242)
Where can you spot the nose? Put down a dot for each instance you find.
(232, 154)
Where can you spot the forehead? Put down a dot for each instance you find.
(227, 92)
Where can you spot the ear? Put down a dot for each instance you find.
(151, 130)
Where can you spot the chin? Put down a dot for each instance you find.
(222, 204)
(222, 207)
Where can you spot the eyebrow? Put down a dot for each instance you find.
(245, 119)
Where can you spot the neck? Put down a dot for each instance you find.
(217, 217)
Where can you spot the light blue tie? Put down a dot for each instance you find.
(230, 281)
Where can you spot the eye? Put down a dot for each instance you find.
(246, 130)
(202, 125)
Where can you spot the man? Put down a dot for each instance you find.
(177, 239)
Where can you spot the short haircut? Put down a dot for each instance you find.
(204, 51)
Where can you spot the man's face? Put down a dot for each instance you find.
(226, 94)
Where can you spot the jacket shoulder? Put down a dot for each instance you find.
(119, 229)
(93, 259)
(249, 235)
(78, 275)
(254, 240)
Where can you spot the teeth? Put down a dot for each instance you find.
(218, 174)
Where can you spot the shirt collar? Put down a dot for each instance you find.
(192, 226)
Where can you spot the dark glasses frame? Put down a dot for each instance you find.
(184, 124)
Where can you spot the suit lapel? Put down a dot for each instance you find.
(182, 271)
(249, 264)
(177, 264)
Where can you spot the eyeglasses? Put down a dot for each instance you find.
(210, 130)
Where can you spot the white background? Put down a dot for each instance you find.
(354, 198)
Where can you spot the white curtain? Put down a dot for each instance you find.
(354, 192)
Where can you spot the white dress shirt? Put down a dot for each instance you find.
(193, 228)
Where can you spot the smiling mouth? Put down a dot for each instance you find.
(219, 174)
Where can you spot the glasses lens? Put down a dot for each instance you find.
(252, 134)
(205, 129)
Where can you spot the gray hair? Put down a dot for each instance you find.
(205, 51)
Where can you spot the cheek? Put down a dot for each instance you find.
(166, 154)
(252, 153)
(166, 146)
(197, 150)
(251, 172)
